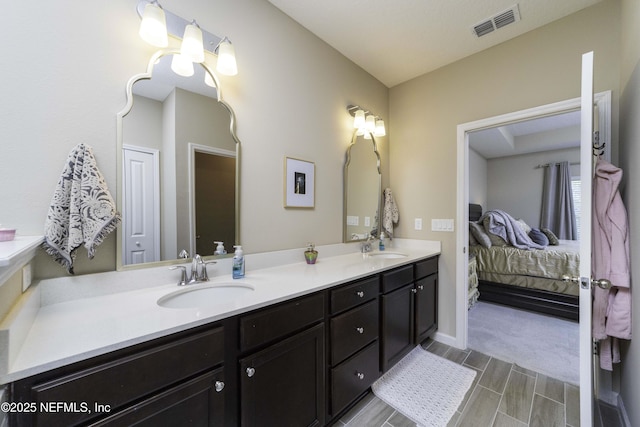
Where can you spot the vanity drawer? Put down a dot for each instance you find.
(397, 278)
(426, 267)
(353, 330)
(354, 294)
(273, 323)
(354, 376)
(122, 381)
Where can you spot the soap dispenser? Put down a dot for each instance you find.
(381, 243)
(238, 263)
(220, 248)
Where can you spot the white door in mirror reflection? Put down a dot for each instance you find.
(140, 198)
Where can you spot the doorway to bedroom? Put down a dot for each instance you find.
(503, 160)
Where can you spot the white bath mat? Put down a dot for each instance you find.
(424, 387)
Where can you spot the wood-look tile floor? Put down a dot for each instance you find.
(502, 394)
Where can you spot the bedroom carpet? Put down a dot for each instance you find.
(534, 341)
(424, 387)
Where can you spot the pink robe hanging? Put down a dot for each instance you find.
(610, 260)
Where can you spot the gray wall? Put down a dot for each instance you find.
(537, 68)
(290, 99)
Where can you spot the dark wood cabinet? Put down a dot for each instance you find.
(409, 309)
(283, 385)
(397, 325)
(197, 402)
(113, 385)
(301, 362)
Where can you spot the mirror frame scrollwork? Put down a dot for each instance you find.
(354, 139)
(147, 75)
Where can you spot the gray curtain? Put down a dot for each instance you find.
(558, 214)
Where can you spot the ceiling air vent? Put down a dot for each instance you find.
(498, 21)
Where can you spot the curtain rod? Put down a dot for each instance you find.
(553, 164)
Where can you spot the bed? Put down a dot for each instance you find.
(527, 278)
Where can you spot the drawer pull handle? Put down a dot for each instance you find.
(360, 330)
(360, 294)
(360, 375)
(219, 386)
(251, 372)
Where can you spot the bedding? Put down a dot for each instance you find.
(528, 276)
(537, 269)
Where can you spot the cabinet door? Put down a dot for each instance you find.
(397, 325)
(198, 402)
(426, 306)
(283, 385)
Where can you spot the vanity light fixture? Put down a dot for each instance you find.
(366, 122)
(192, 43)
(380, 130)
(157, 23)
(226, 58)
(153, 28)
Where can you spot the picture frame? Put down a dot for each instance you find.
(299, 183)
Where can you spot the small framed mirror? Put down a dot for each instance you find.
(362, 189)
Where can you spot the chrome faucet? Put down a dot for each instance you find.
(367, 246)
(198, 271)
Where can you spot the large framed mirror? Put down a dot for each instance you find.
(178, 166)
(362, 189)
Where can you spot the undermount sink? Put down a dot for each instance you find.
(388, 255)
(195, 296)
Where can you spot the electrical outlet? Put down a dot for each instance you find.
(418, 224)
(367, 221)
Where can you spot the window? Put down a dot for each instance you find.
(576, 189)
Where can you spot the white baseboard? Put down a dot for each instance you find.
(445, 339)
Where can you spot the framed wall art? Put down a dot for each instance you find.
(299, 183)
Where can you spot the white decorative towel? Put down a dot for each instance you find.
(390, 213)
(82, 210)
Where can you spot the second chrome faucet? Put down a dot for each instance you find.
(198, 271)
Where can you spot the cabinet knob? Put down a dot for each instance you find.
(251, 372)
(414, 290)
(360, 375)
(421, 287)
(360, 294)
(219, 386)
(360, 330)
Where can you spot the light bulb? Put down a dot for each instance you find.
(153, 28)
(370, 123)
(192, 43)
(226, 58)
(380, 130)
(182, 66)
(358, 119)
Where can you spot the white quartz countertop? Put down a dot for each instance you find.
(69, 331)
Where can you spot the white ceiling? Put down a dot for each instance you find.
(397, 40)
(543, 134)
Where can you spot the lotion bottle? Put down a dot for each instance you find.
(238, 263)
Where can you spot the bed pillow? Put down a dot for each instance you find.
(472, 240)
(496, 240)
(539, 237)
(480, 235)
(553, 239)
(524, 226)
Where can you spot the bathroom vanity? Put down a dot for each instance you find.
(301, 349)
